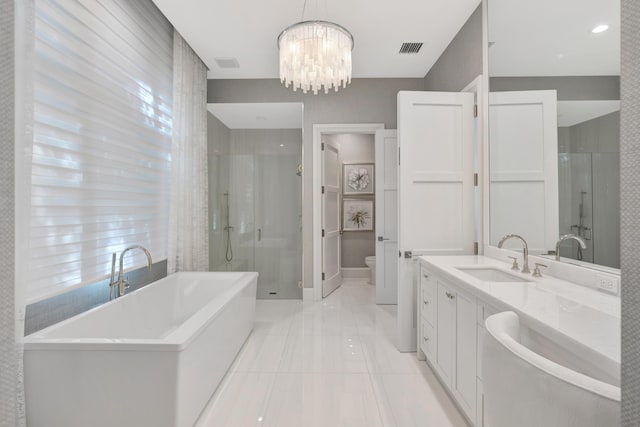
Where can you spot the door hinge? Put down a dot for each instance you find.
(475, 248)
(323, 232)
(475, 110)
(322, 146)
(399, 254)
(322, 276)
(323, 189)
(475, 179)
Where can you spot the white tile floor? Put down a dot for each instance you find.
(331, 363)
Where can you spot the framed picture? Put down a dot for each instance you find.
(357, 215)
(357, 178)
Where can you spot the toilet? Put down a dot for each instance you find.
(371, 263)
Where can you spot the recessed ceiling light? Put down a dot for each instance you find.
(600, 29)
(261, 118)
(281, 145)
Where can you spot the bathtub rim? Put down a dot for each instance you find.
(176, 340)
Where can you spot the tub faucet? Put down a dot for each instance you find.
(525, 250)
(122, 283)
(578, 239)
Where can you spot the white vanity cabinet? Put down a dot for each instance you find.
(568, 323)
(449, 337)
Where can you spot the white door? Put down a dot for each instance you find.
(331, 277)
(523, 160)
(435, 191)
(386, 217)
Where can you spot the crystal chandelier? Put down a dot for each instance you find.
(314, 54)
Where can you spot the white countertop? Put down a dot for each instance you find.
(582, 318)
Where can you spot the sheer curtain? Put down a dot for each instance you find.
(15, 182)
(188, 219)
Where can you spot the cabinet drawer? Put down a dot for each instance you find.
(428, 304)
(427, 279)
(428, 341)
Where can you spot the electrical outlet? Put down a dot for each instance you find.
(608, 284)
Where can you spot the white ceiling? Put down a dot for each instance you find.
(248, 29)
(553, 37)
(571, 113)
(262, 115)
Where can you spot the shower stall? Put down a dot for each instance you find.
(256, 206)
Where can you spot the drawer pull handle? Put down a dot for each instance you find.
(426, 276)
(449, 295)
(426, 302)
(425, 339)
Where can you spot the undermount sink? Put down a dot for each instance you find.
(490, 274)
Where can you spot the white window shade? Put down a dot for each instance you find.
(100, 171)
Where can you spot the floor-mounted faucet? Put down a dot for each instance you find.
(525, 250)
(120, 286)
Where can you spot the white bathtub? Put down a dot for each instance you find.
(151, 358)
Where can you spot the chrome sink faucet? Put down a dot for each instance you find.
(525, 250)
(578, 239)
(120, 286)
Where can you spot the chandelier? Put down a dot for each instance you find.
(315, 54)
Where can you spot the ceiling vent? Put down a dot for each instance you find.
(410, 48)
(227, 62)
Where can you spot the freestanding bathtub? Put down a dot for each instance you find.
(151, 358)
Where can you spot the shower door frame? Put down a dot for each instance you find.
(315, 293)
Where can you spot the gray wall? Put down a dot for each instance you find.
(356, 245)
(630, 201)
(8, 355)
(364, 101)
(461, 62)
(599, 135)
(569, 87)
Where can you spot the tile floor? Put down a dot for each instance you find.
(331, 363)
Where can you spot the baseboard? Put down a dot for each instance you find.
(307, 294)
(355, 273)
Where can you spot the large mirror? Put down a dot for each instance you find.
(554, 102)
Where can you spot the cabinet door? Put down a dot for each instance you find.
(464, 379)
(446, 329)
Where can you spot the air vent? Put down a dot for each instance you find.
(227, 62)
(410, 48)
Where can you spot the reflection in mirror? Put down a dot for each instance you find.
(554, 117)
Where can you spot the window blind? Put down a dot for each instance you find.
(101, 154)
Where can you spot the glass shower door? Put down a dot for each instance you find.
(256, 202)
(589, 202)
(278, 204)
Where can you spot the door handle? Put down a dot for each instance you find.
(380, 238)
(259, 234)
(449, 295)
